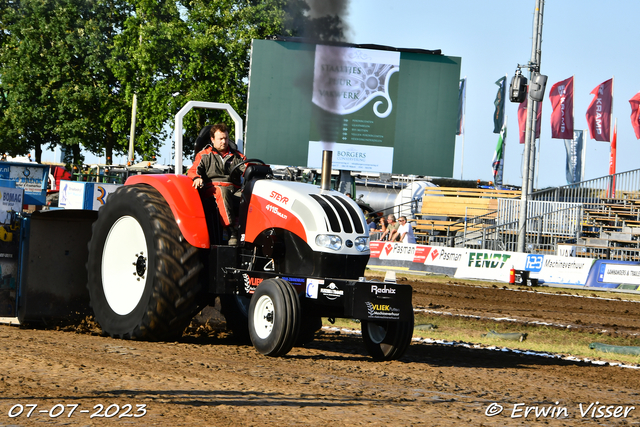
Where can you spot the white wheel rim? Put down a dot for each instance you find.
(124, 269)
(263, 317)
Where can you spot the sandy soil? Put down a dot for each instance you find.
(208, 379)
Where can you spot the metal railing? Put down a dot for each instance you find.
(558, 218)
(618, 186)
(551, 224)
(555, 216)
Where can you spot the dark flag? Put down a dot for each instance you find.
(575, 149)
(498, 157)
(498, 115)
(599, 112)
(561, 97)
(461, 97)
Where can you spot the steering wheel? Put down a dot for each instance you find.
(244, 162)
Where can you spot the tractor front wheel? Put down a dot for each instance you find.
(143, 275)
(274, 317)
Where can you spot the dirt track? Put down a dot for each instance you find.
(207, 379)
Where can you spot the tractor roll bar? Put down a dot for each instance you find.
(212, 106)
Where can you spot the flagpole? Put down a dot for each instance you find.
(530, 132)
(612, 160)
(612, 146)
(464, 109)
(585, 136)
(612, 83)
(537, 169)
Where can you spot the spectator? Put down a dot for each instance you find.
(405, 231)
(371, 224)
(391, 229)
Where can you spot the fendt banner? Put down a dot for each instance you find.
(377, 109)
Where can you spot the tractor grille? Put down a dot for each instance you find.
(341, 216)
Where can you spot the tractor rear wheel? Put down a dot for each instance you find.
(386, 340)
(274, 317)
(143, 275)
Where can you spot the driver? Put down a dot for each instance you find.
(210, 174)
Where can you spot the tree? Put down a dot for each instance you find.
(215, 63)
(70, 68)
(52, 70)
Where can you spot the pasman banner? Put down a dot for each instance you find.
(561, 97)
(599, 112)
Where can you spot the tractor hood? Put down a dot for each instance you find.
(327, 220)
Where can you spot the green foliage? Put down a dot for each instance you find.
(69, 69)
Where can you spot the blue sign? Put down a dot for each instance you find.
(31, 177)
(534, 263)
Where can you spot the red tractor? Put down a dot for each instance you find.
(157, 257)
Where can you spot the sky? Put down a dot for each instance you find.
(590, 40)
(582, 38)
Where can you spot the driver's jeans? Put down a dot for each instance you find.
(227, 198)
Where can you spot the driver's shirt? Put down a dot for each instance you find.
(213, 166)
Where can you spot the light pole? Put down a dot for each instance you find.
(535, 96)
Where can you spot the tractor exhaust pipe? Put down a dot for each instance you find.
(325, 183)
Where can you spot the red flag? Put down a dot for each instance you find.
(561, 97)
(635, 113)
(522, 119)
(599, 112)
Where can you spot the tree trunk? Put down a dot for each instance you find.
(38, 148)
(77, 156)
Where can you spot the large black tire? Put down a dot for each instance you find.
(235, 309)
(274, 317)
(386, 340)
(143, 275)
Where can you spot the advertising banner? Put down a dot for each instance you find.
(441, 256)
(399, 251)
(379, 109)
(620, 273)
(84, 195)
(11, 200)
(488, 265)
(560, 270)
(352, 108)
(31, 177)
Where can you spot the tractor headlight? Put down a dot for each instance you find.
(329, 241)
(361, 243)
